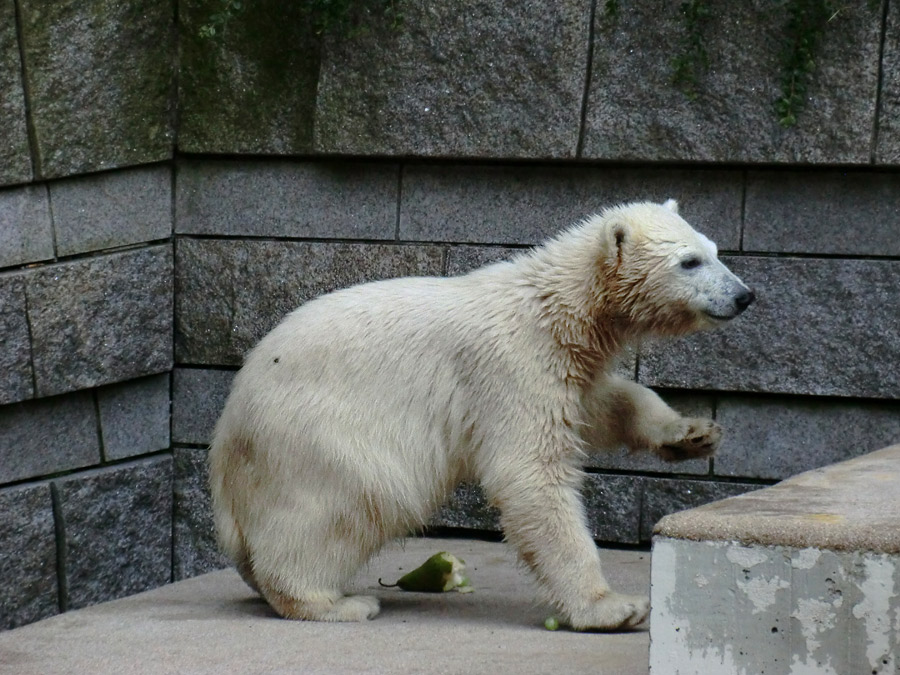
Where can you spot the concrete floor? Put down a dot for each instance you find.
(216, 624)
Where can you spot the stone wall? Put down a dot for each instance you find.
(141, 256)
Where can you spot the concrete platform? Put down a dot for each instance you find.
(801, 578)
(215, 624)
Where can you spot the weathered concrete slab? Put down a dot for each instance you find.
(469, 79)
(28, 564)
(215, 624)
(101, 81)
(233, 292)
(116, 525)
(111, 209)
(100, 320)
(731, 117)
(26, 230)
(804, 212)
(525, 205)
(351, 200)
(47, 436)
(15, 159)
(801, 577)
(825, 327)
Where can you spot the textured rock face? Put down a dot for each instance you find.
(810, 332)
(15, 358)
(28, 565)
(470, 79)
(888, 131)
(15, 160)
(117, 530)
(26, 234)
(251, 88)
(100, 76)
(48, 436)
(198, 399)
(101, 320)
(732, 117)
(233, 292)
(134, 417)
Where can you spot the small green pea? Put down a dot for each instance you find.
(551, 623)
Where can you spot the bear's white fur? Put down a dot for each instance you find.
(355, 418)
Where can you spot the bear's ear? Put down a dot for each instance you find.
(618, 230)
(672, 205)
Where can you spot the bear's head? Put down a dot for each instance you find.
(663, 276)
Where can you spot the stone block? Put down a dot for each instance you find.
(469, 79)
(101, 81)
(100, 320)
(231, 293)
(690, 405)
(117, 530)
(464, 259)
(134, 416)
(804, 212)
(887, 148)
(15, 158)
(467, 508)
(16, 377)
(731, 116)
(26, 232)
(352, 200)
(613, 507)
(821, 327)
(48, 436)
(198, 398)
(28, 589)
(525, 205)
(663, 496)
(110, 209)
(251, 87)
(776, 438)
(196, 550)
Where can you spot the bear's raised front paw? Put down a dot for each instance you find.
(689, 438)
(613, 611)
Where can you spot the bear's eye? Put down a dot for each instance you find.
(690, 263)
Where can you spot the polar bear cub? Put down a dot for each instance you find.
(355, 418)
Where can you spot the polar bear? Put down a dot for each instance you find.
(355, 418)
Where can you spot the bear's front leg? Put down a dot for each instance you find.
(543, 517)
(621, 412)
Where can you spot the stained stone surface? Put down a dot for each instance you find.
(48, 436)
(732, 116)
(15, 160)
(819, 326)
(198, 397)
(134, 416)
(495, 78)
(15, 358)
(231, 293)
(832, 212)
(273, 198)
(777, 437)
(100, 320)
(250, 88)
(117, 529)
(100, 75)
(689, 405)
(26, 231)
(887, 150)
(195, 548)
(663, 496)
(525, 205)
(112, 209)
(28, 564)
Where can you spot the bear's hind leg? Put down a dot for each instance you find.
(321, 606)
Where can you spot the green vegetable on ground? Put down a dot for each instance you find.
(440, 573)
(551, 623)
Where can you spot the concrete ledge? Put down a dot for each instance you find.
(850, 506)
(215, 624)
(800, 578)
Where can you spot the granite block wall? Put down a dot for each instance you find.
(167, 195)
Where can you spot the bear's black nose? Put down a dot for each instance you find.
(744, 299)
